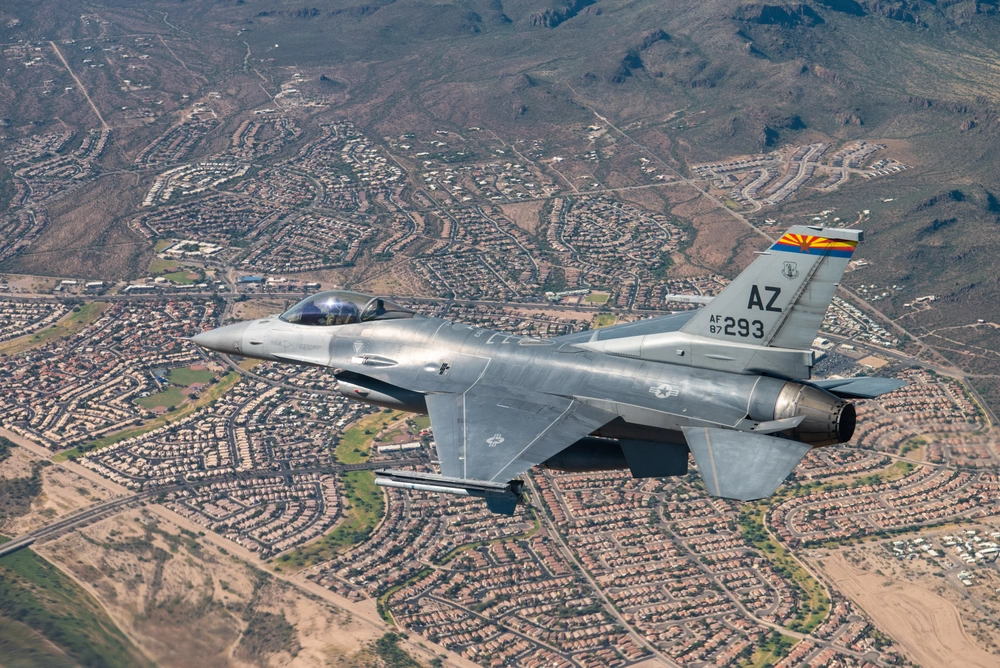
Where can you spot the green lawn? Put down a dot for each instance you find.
(183, 277)
(814, 604)
(207, 397)
(37, 600)
(597, 298)
(894, 472)
(186, 376)
(366, 508)
(249, 364)
(364, 498)
(68, 325)
(162, 266)
(604, 320)
(389, 436)
(171, 396)
(768, 654)
(355, 444)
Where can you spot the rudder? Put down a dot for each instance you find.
(780, 300)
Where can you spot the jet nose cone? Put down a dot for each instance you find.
(228, 339)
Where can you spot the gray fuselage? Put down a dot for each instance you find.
(424, 355)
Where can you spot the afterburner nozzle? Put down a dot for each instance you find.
(828, 419)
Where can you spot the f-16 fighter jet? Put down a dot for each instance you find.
(727, 383)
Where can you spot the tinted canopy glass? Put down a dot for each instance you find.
(383, 309)
(338, 307)
(327, 308)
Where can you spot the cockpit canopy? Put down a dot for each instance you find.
(339, 307)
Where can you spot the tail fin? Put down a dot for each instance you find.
(780, 300)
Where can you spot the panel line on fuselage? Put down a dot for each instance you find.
(711, 457)
(465, 437)
(753, 390)
(437, 331)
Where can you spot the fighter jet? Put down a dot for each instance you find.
(728, 383)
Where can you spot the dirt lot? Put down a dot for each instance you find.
(187, 602)
(63, 492)
(28, 285)
(911, 609)
(394, 278)
(259, 308)
(18, 465)
(524, 214)
(722, 243)
(190, 599)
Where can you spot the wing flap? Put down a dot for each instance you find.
(742, 465)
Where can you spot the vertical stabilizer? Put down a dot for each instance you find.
(779, 301)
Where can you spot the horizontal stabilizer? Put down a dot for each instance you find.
(741, 465)
(860, 388)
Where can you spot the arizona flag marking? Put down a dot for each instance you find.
(810, 245)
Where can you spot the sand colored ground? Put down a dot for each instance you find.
(363, 614)
(26, 285)
(873, 362)
(925, 624)
(525, 215)
(651, 663)
(259, 308)
(183, 595)
(63, 492)
(722, 243)
(17, 465)
(395, 278)
(73, 467)
(186, 602)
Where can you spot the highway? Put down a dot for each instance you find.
(98, 510)
(159, 296)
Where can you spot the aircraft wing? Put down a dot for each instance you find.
(487, 433)
(658, 325)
